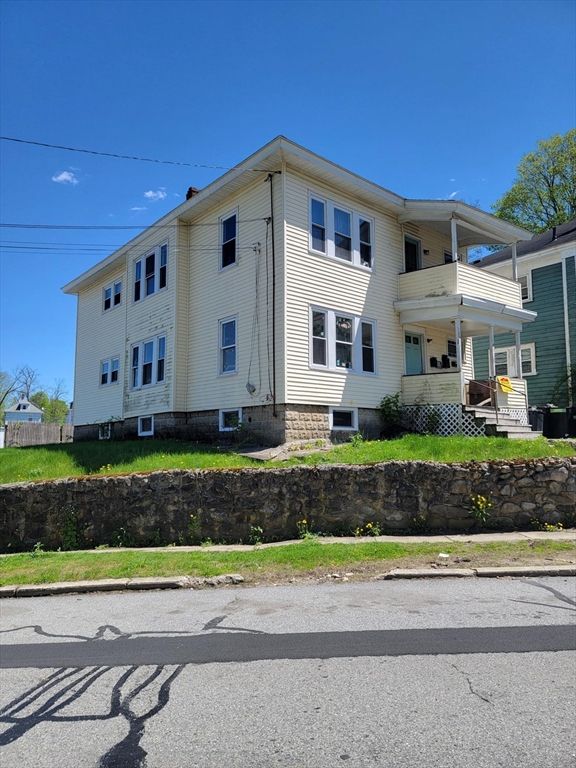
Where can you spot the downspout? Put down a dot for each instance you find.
(514, 261)
(270, 179)
(567, 327)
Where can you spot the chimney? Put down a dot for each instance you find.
(191, 192)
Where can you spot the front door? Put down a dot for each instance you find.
(413, 347)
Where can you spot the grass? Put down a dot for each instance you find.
(101, 457)
(307, 559)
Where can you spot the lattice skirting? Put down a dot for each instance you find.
(516, 413)
(445, 419)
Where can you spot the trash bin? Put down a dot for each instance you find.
(572, 421)
(536, 418)
(556, 425)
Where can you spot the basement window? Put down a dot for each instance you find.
(343, 418)
(145, 426)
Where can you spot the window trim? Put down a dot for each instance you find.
(113, 294)
(221, 221)
(139, 367)
(222, 412)
(511, 355)
(354, 411)
(529, 296)
(221, 348)
(330, 342)
(105, 431)
(111, 369)
(159, 275)
(141, 431)
(356, 217)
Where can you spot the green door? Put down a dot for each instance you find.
(413, 346)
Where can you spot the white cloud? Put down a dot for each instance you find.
(176, 194)
(139, 208)
(160, 194)
(451, 179)
(453, 195)
(65, 177)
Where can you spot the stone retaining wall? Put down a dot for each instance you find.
(157, 507)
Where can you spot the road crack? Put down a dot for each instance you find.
(470, 686)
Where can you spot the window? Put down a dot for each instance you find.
(148, 363)
(505, 361)
(228, 237)
(112, 295)
(343, 418)
(109, 371)
(227, 346)
(340, 233)
(341, 341)
(105, 431)
(145, 426)
(526, 285)
(230, 420)
(150, 273)
(451, 348)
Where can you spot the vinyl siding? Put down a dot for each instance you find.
(243, 291)
(546, 332)
(182, 307)
(150, 317)
(100, 336)
(313, 279)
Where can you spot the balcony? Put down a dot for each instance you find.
(458, 278)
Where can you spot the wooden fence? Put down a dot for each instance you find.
(21, 433)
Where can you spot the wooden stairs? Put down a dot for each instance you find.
(502, 425)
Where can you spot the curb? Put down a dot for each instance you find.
(435, 573)
(193, 582)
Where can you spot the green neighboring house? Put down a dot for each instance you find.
(546, 271)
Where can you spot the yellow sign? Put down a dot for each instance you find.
(505, 384)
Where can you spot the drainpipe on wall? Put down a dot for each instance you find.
(514, 261)
(567, 326)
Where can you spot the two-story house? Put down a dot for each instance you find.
(288, 297)
(547, 274)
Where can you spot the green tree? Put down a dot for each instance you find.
(544, 193)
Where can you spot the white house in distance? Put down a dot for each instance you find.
(290, 296)
(23, 410)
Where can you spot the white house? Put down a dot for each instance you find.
(289, 296)
(23, 410)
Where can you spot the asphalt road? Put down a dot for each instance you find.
(459, 673)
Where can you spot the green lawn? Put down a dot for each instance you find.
(274, 563)
(99, 457)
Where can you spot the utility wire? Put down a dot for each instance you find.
(124, 226)
(131, 157)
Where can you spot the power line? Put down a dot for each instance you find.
(126, 226)
(131, 157)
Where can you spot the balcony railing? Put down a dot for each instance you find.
(457, 278)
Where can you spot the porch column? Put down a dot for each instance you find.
(491, 361)
(518, 356)
(458, 334)
(454, 234)
(514, 262)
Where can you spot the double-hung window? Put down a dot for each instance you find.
(227, 346)
(151, 273)
(109, 371)
(148, 363)
(505, 361)
(112, 295)
(341, 233)
(526, 285)
(342, 341)
(228, 240)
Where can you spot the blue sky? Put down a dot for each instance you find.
(429, 99)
